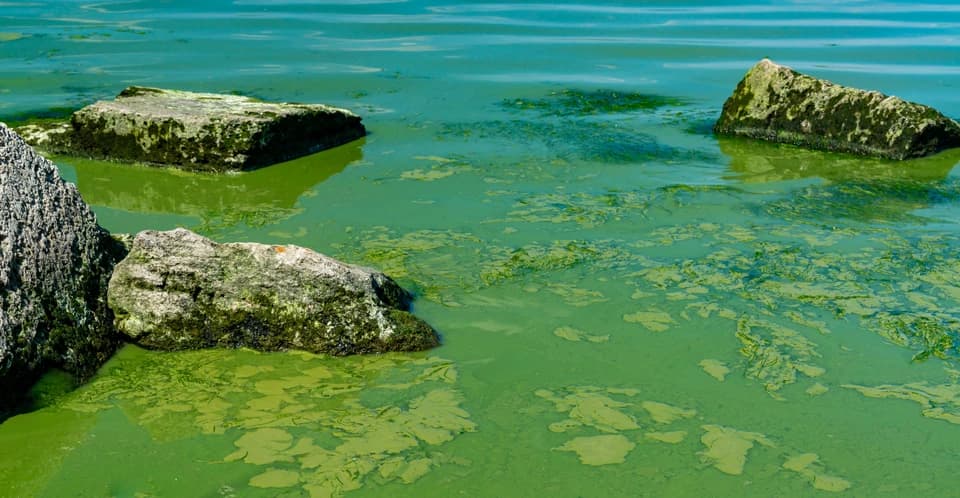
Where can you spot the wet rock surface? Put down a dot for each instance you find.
(55, 263)
(179, 290)
(778, 104)
(197, 131)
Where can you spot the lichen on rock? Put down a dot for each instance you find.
(778, 104)
(179, 290)
(198, 131)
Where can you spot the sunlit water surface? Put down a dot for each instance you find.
(629, 306)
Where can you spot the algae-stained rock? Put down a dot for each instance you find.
(778, 104)
(55, 263)
(179, 290)
(206, 131)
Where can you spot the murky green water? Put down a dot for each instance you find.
(629, 306)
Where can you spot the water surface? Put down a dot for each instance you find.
(629, 305)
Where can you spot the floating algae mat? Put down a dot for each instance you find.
(629, 306)
(321, 426)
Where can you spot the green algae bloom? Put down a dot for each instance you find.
(808, 465)
(715, 368)
(663, 413)
(577, 102)
(266, 408)
(726, 448)
(573, 335)
(940, 402)
(671, 437)
(600, 450)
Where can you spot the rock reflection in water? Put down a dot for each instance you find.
(752, 161)
(255, 198)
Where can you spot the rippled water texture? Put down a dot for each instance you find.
(629, 305)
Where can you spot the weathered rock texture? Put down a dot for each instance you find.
(55, 263)
(776, 103)
(197, 131)
(178, 290)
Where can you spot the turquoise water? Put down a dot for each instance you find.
(629, 305)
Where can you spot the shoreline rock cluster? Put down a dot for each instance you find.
(72, 294)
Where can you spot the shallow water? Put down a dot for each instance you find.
(629, 306)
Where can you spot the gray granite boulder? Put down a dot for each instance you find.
(778, 104)
(196, 131)
(179, 290)
(55, 263)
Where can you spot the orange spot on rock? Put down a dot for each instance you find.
(279, 248)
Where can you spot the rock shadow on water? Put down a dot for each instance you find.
(256, 198)
(854, 188)
(754, 161)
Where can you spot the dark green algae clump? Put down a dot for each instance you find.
(578, 102)
(598, 125)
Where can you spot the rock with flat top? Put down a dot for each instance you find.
(55, 262)
(778, 104)
(179, 290)
(197, 131)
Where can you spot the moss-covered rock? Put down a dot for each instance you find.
(55, 262)
(778, 104)
(178, 290)
(197, 131)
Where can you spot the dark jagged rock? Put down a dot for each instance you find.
(179, 290)
(778, 104)
(55, 263)
(197, 131)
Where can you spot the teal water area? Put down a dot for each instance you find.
(629, 305)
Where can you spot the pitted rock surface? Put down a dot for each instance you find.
(55, 263)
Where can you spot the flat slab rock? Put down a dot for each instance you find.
(179, 290)
(55, 262)
(197, 131)
(778, 104)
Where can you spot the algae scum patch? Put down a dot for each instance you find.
(578, 102)
(608, 424)
(603, 126)
(773, 283)
(324, 426)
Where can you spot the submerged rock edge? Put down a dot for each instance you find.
(775, 103)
